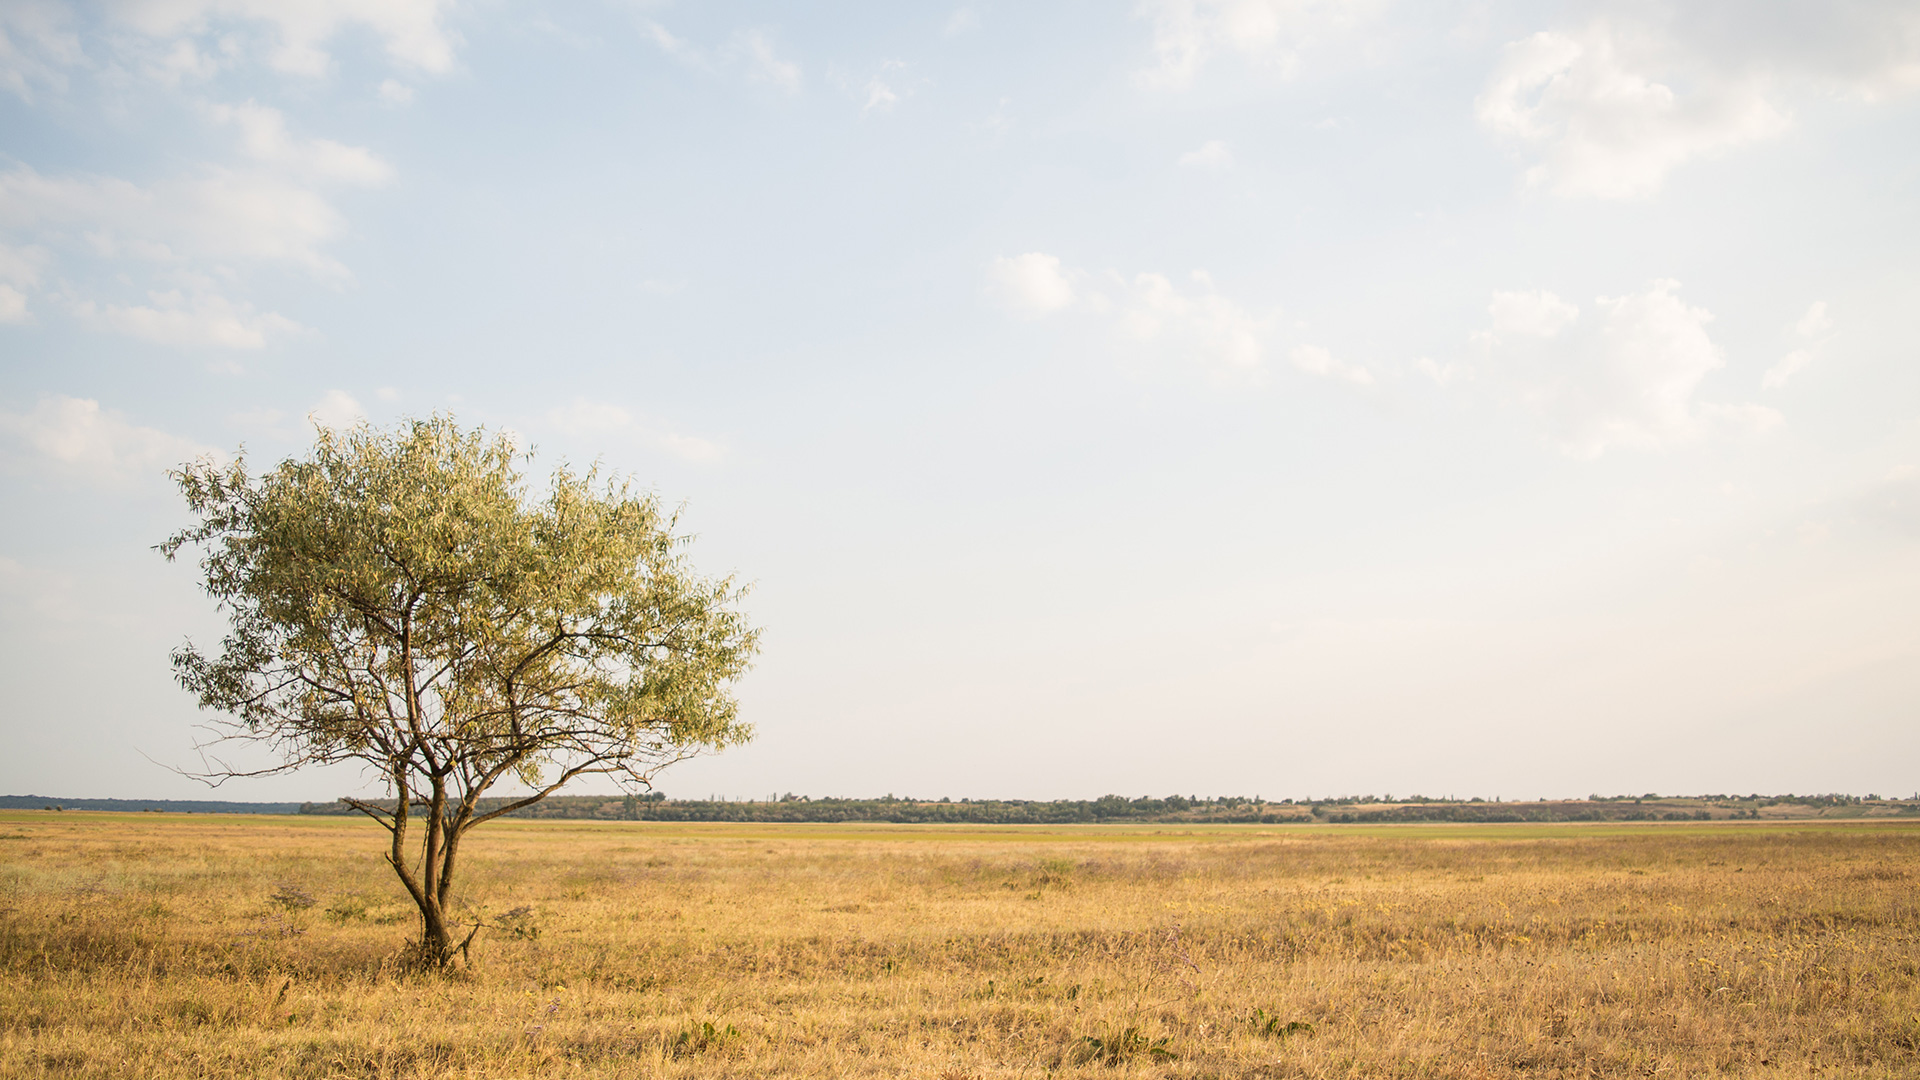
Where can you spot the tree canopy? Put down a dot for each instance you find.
(404, 599)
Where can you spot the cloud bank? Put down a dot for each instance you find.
(1609, 110)
(1624, 374)
(76, 437)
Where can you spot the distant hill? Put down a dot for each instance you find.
(172, 806)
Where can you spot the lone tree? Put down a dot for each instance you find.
(403, 599)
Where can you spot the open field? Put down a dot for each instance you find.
(151, 945)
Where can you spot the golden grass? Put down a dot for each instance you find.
(146, 945)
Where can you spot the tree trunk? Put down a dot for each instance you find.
(441, 847)
(436, 938)
(433, 889)
(429, 880)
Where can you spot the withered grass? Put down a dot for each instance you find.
(148, 945)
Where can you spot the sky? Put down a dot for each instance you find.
(1288, 398)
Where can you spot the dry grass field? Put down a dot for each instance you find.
(149, 945)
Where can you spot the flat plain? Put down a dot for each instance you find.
(162, 945)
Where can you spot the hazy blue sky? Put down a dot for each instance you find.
(1279, 397)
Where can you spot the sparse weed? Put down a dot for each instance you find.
(534, 1031)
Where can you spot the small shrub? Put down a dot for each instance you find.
(292, 903)
(702, 1039)
(1272, 1027)
(518, 924)
(348, 909)
(1119, 1047)
(1055, 873)
(291, 899)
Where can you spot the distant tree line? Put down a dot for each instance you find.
(904, 811)
(172, 806)
(1172, 809)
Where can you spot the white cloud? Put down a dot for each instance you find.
(36, 47)
(1033, 283)
(751, 51)
(586, 415)
(664, 39)
(1811, 325)
(295, 33)
(687, 447)
(885, 89)
(1625, 378)
(75, 435)
(764, 65)
(1785, 368)
(336, 409)
(395, 92)
(21, 265)
(1200, 324)
(263, 136)
(188, 228)
(203, 319)
(1592, 110)
(1529, 314)
(1738, 418)
(1194, 320)
(1315, 360)
(219, 214)
(1441, 373)
(1815, 322)
(1636, 387)
(604, 419)
(1212, 155)
(171, 41)
(1188, 34)
(177, 61)
(1610, 110)
(881, 95)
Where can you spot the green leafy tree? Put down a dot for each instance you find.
(404, 600)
